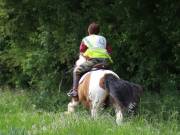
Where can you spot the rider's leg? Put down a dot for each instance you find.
(78, 71)
(76, 77)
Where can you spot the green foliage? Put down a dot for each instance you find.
(18, 116)
(40, 39)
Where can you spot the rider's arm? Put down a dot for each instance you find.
(109, 48)
(82, 47)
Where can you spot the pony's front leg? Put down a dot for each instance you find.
(71, 106)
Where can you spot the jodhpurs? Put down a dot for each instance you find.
(85, 67)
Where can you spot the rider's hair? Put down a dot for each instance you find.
(93, 28)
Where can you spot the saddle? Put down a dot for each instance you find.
(96, 67)
(101, 65)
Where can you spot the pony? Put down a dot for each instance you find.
(96, 87)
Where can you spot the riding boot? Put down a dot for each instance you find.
(73, 92)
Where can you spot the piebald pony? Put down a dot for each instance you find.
(95, 87)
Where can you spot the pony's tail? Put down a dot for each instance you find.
(123, 92)
(111, 85)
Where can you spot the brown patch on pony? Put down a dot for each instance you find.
(83, 90)
(101, 82)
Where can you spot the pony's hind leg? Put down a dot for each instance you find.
(72, 105)
(94, 111)
(119, 114)
(95, 108)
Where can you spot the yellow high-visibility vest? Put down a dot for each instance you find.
(96, 51)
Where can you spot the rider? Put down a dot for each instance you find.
(96, 50)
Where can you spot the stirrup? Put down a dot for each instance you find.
(72, 93)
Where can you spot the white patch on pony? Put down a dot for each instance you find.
(96, 76)
(97, 94)
(100, 72)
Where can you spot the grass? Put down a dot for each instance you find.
(19, 116)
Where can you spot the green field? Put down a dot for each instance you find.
(19, 116)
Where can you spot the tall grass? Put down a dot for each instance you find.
(18, 116)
